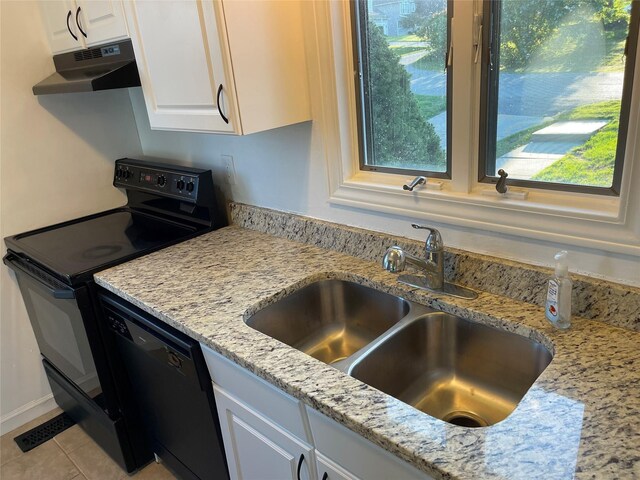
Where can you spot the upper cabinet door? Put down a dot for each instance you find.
(180, 61)
(59, 18)
(101, 20)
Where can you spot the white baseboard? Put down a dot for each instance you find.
(26, 413)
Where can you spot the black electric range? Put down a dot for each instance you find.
(54, 268)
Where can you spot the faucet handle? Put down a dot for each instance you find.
(434, 239)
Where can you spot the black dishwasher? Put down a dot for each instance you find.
(173, 390)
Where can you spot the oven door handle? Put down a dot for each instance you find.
(12, 261)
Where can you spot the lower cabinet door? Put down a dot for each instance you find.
(328, 470)
(256, 448)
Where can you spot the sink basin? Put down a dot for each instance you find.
(330, 319)
(462, 372)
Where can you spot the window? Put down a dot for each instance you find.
(574, 215)
(403, 86)
(556, 92)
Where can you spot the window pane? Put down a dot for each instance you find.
(559, 90)
(403, 85)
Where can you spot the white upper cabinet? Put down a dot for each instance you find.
(102, 21)
(180, 63)
(59, 18)
(73, 25)
(232, 66)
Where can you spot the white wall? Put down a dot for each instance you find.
(56, 155)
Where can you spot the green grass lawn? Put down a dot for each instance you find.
(593, 162)
(405, 50)
(430, 105)
(579, 47)
(404, 38)
(614, 59)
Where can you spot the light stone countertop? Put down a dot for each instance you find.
(581, 418)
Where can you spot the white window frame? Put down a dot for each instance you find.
(611, 224)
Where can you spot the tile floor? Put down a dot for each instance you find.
(69, 455)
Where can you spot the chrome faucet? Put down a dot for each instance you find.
(395, 260)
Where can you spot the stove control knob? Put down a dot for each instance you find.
(190, 187)
(162, 180)
(180, 184)
(118, 173)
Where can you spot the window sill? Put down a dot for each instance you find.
(590, 221)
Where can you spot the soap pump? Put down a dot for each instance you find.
(558, 306)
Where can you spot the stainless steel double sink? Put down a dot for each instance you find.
(462, 372)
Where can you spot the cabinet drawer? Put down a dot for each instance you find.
(281, 408)
(355, 454)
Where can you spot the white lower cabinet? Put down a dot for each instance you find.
(269, 435)
(258, 449)
(328, 470)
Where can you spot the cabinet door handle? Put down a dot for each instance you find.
(78, 22)
(325, 476)
(226, 120)
(300, 464)
(69, 28)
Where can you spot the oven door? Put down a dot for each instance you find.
(57, 322)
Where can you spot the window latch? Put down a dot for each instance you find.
(501, 186)
(420, 180)
(414, 183)
(477, 36)
(448, 58)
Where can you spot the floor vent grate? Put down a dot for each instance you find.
(40, 434)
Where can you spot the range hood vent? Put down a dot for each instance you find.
(87, 54)
(99, 68)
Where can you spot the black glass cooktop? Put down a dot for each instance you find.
(96, 242)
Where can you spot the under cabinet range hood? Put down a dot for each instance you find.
(103, 67)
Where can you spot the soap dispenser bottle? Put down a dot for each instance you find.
(558, 307)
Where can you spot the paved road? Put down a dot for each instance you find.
(534, 94)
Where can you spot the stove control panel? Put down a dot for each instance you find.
(176, 182)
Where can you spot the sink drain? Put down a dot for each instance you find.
(465, 419)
